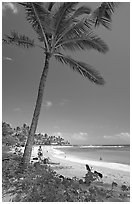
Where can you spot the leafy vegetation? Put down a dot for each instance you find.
(18, 137)
(39, 183)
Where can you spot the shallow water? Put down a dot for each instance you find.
(114, 154)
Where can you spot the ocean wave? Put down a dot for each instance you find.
(101, 146)
(62, 146)
(58, 152)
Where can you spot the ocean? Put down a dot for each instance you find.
(112, 156)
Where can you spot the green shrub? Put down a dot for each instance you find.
(40, 184)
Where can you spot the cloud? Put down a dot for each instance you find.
(7, 58)
(80, 136)
(11, 6)
(123, 136)
(57, 134)
(47, 104)
(83, 133)
(63, 102)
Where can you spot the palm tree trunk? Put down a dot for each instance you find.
(30, 139)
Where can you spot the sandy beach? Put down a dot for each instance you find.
(71, 167)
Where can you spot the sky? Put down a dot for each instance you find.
(73, 107)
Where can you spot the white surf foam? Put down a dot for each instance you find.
(58, 152)
(100, 146)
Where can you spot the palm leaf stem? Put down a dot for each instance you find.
(84, 69)
(70, 60)
(87, 42)
(67, 30)
(46, 42)
(65, 7)
(18, 42)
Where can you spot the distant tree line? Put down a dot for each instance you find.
(18, 136)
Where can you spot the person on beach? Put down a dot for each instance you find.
(88, 168)
(40, 154)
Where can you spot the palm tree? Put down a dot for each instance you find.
(59, 27)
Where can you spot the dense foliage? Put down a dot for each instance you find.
(39, 183)
(18, 136)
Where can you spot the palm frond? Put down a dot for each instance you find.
(39, 18)
(81, 11)
(70, 22)
(111, 6)
(83, 42)
(82, 68)
(50, 5)
(103, 14)
(77, 29)
(17, 39)
(61, 16)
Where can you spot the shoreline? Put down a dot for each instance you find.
(71, 166)
(111, 165)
